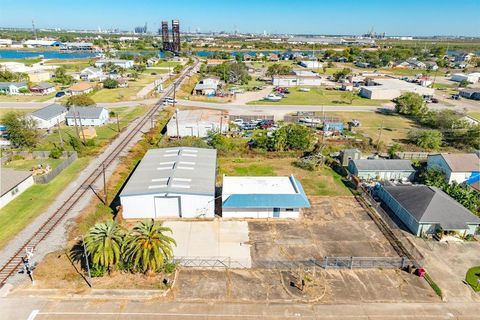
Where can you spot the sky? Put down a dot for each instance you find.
(394, 17)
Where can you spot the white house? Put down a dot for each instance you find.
(298, 78)
(381, 169)
(82, 87)
(311, 64)
(126, 64)
(13, 183)
(262, 197)
(49, 116)
(197, 123)
(172, 182)
(91, 73)
(471, 77)
(458, 167)
(87, 116)
(13, 88)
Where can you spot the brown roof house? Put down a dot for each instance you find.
(80, 88)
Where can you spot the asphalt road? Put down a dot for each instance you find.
(17, 308)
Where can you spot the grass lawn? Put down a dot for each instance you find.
(3, 111)
(26, 98)
(167, 64)
(27, 164)
(23, 209)
(395, 127)
(320, 96)
(124, 94)
(473, 278)
(324, 182)
(475, 115)
(71, 65)
(408, 72)
(26, 61)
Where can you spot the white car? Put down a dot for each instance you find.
(238, 122)
(272, 97)
(309, 120)
(169, 100)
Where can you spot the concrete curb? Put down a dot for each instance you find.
(137, 294)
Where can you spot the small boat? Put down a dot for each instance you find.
(272, 97)
(304, 89)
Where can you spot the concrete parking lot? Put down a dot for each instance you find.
(331, 227)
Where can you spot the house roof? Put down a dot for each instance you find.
(10, 178)
(43, 85)
(179, 170)
(462, 162)
(263, 192)
(432, 205)
(383, 165)
(49, 112)
(17, 84)
(86, 112)
(91, 70)
(203, 86)
(80, 86)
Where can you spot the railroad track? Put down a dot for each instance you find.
(13, 265)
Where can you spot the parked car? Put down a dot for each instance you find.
(248, 126)
(456, 96)
(309, 120)
(265, 124)
(59, 94)
(355, 123)
(273, 97)
(238, 122)
(167, 100)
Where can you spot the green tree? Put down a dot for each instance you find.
(433, 177)
(427, 139)
(342, 73)
(110, 83)
(81, 100)
(410, 104)
(147, 248)
(349, 96)
(464, 195)
(278, 69)
(104, 243)
(61, 76)
(293, 137)
(21, 130)
(393, 149)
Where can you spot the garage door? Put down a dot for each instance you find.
(167, 207)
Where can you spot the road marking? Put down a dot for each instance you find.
(33, 314)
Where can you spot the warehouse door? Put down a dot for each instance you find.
(167, 207)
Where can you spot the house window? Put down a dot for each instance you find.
(15, 191)
(289, 209)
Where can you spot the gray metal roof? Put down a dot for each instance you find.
(49, 112)
(43, 85)
(85, 112)
(17, 84)
(10, 178)
(431, 205)
(181, 170)
(383, 165)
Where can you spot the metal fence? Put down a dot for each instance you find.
(324, 263)
(46, 178)
(412, 155)
(69, 156)
(316, 119)
(250, 118)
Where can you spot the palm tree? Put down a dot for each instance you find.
(147, 248)
(104, 243)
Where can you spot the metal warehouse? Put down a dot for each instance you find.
(172, 182)
(262, 197)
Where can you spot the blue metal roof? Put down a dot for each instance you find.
(297, 200)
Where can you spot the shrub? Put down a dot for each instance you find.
(90, 143)
(75, 143)
(98, 270)
(56, 152)
(169, 267)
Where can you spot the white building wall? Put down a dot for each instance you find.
(47, 124)
(258, 213)
(143, 206)
(102, 119)
(15, 192)
(194, 129)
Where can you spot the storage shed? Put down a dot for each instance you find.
(172, 182)
(262, 197)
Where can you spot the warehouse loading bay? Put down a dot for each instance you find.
(333, 226)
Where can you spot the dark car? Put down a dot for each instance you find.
(59, 94)
(265, 124)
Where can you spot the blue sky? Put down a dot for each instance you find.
(406, 17)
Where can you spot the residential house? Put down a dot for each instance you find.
(79, 88)
(13, 183)
(49, 116)
(297, 78)
(122, 83)
(426, 210)
(197, 123)
(262, 197)
(13, 88)
(381, 169)
(172, 182)
(273, 57)
(458, 167)
(87, 116)
(470, 93)
(43, 88)
(431, 65)
(91, 73)
(126, 64)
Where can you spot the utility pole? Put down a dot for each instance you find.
(176, 122)
(174, 92)
(105, 185)
(221, 121)
(60, 133)
(81, 128)
(87, 263)
(118, 123)
(379, 136)
(75, 121)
